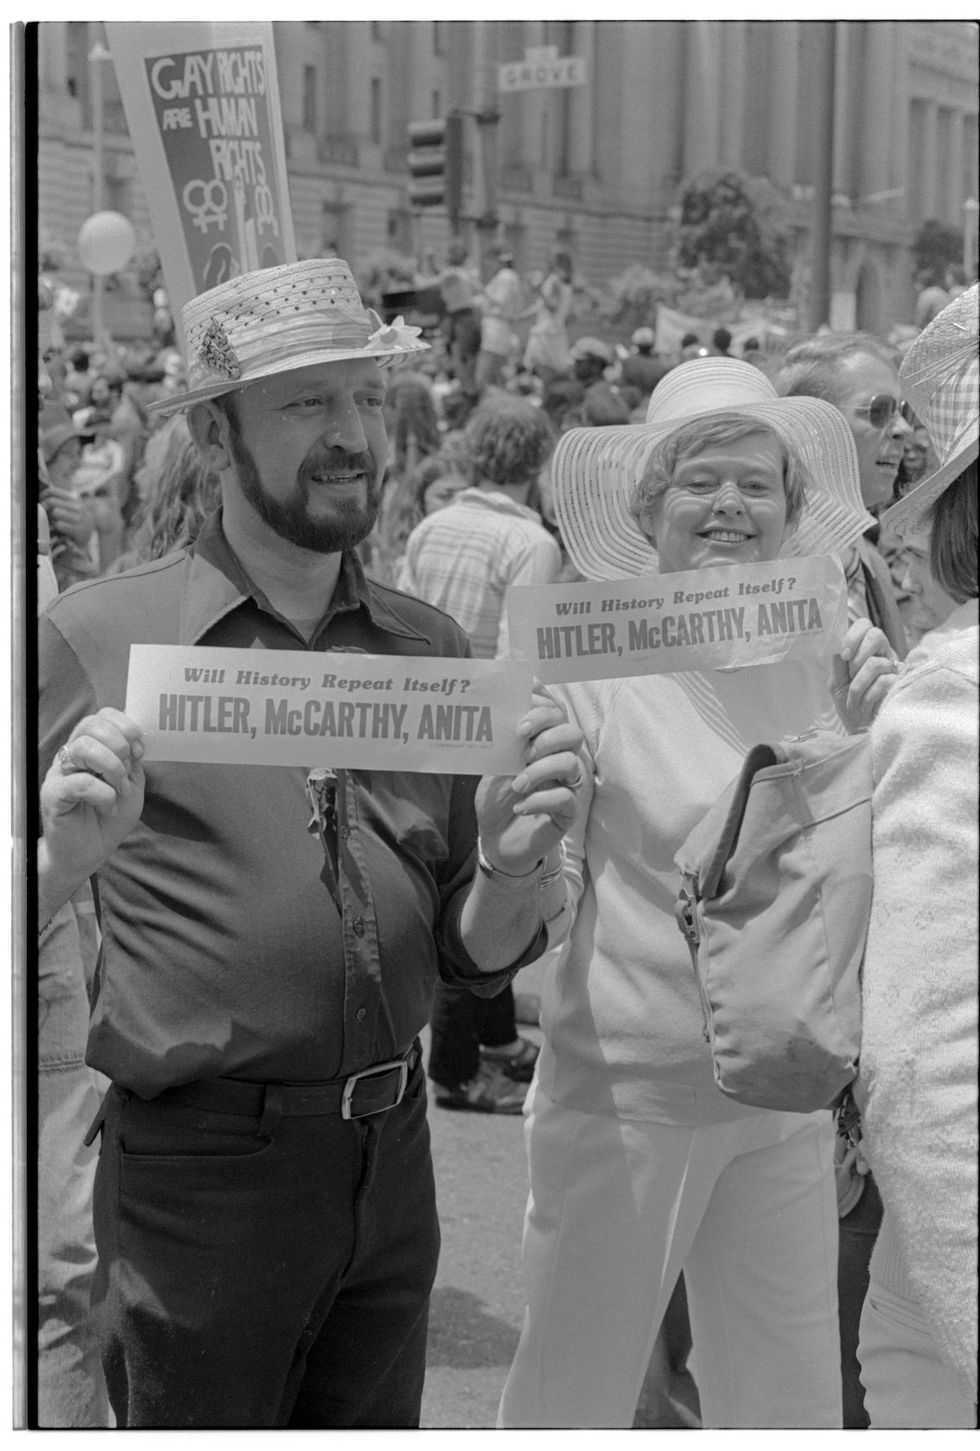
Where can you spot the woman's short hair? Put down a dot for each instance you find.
(693, 438)
(953, 536)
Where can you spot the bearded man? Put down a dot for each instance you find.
(264, 1206)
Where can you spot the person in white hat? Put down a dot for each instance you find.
(640, 1169)
(917, 1085)
(264, 1206)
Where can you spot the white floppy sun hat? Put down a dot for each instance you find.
(940, 377)
(594, 469)
(276, 320)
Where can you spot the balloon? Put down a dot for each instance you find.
(106, 242)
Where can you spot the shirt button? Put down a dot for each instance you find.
(357, 926)
(361, 1014)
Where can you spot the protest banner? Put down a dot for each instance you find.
(672, 326)
(700, 619)
(299, 708)
(202, 107)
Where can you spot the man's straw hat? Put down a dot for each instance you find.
(279, 319)
(594, 469)
(940, 377)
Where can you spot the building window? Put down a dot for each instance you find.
(399, 231)
(438, 37)
(309, 98)
(375, 29)
(375, 109)
(436, 105)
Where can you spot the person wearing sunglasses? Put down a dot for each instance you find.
(858, 374)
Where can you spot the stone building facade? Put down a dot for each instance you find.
(596, 167)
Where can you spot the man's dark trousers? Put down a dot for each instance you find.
(264, 1271)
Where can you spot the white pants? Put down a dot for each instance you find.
(907, 1385)
(618, 1208)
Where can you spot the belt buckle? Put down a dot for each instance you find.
(345, 1103)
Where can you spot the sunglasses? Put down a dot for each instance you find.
(882, 409)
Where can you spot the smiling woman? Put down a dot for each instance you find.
(640, 1169)
(723, 490)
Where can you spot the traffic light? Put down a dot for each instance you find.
(435, 164)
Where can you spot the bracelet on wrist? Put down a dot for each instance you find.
(559, 871)
(489, 870)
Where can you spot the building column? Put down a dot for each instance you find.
(360, 64)
(900, 121)
(929, 155)
(877, 136)
(784, 82)
(953, 213)
(702, 93)
(731, 142)
(581, 151)
(532, 106)
(844, 132)
(52, 56)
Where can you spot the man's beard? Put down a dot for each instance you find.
(291, 517)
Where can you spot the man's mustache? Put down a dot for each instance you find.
(338, 461)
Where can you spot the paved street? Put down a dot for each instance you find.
(477, 1304)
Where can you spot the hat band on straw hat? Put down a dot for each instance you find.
(270, 344)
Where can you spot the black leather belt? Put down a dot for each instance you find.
(373, 1090)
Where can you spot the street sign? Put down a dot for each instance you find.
(542, 68)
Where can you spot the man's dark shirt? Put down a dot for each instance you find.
(224, 952)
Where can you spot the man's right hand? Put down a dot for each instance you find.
(91, 798)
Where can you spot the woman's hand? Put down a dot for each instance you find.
(862, 674)
(521, 818)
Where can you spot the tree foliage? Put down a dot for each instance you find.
(739, 227)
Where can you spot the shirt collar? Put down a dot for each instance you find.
(217, 584)
(497, 500)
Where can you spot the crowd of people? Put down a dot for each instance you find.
(233, 1092)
